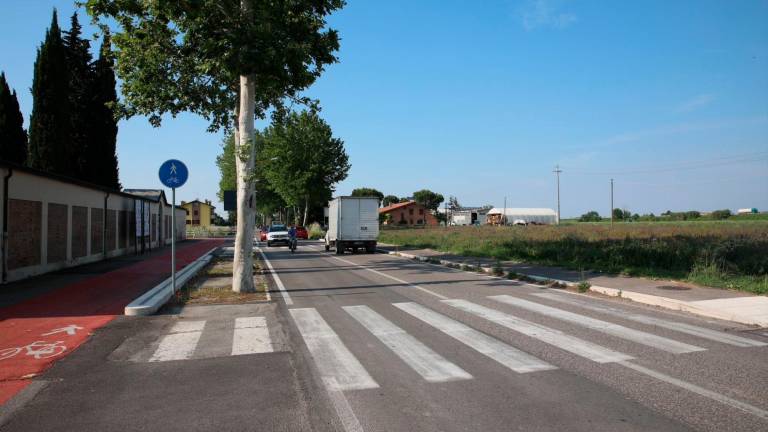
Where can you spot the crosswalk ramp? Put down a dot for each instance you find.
(340, 368)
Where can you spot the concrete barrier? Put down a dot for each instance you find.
(152, 300)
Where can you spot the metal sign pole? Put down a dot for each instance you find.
(173, 239)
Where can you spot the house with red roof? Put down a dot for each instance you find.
(409, 213)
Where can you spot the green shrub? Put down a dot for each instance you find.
(583, 286)
(316, 232)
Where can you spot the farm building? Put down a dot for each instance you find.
(538, 216)
(468, 216)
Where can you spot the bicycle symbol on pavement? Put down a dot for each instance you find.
(38, 350)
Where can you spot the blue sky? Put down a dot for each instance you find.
(482, 99)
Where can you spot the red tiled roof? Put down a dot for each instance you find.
(396, 206)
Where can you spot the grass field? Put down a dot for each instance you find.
(727, 254)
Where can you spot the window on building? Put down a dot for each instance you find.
(421, 212)
(410, 211)
(195, 213)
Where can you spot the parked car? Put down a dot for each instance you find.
(263, 234)
(302, 233)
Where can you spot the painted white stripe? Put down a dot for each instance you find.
(347, 417)
(251, 336)
(180, 344)
(497, 350)
(698, 390)
(548, 335)
(619, 331)
(286, 297)
(430, 365)
(693, 330)
(440, 296)
(338, 367)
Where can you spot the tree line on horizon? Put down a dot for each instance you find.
(72, 129)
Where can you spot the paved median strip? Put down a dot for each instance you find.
(616, 330)
(430, 365)
(547, 335)
(512, 358)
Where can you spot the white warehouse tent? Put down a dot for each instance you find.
(528, 215)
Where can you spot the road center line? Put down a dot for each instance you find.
(286, 297)
(698, 390)
(440, 296)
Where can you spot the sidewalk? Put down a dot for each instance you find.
(37, 331)
(736, 306)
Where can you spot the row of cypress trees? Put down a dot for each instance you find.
(73, 131)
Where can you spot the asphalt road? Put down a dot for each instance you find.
(381, 343)
(404, 345)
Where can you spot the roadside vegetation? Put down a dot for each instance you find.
(213, 285)
(724, 254)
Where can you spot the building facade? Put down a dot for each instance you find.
(408, 214)
(199, 213)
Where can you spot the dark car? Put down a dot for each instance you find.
(301, 233)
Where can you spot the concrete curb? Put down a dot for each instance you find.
(647, 299)
(152, 300)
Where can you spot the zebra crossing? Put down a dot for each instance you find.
(338, 365)
(249, 335)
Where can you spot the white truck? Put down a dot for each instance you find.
(353, 222)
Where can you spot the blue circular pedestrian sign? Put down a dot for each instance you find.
(173, 173)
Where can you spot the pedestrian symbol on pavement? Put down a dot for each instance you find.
(173, 173)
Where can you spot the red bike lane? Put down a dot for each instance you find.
(37, 332)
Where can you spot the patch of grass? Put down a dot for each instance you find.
(213, 285)
(583, 286)
(653, 249)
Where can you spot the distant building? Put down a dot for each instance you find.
(522, 216)
(407, 213)
(468, 216)
(746, 211)
(199, 213)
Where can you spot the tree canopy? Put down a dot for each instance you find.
(368, 192)
(428, 199)
(389, 200)
(13, 137)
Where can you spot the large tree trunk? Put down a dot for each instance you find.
(245, 150)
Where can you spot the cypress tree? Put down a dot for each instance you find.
(50, 123)
(80, 94)
(13, 137)
(101, 154)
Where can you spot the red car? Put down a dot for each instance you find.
(263, 234)
(301, 233)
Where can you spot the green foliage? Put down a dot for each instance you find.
(389, 200)
(721, 214)
(303, 161)
(189, 56)
(591, 216)
(583, 286)
(315, 231)
(13, 137)
(226, 164)
(427, 198)
(649, 249)
(81, 79)
(368, 192)
(100, 161)
(618, 214)
(50, 123)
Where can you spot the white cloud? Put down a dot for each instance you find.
(695, 103)
(544, 13)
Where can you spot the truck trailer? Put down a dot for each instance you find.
(353, 223)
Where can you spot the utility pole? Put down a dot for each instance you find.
(557, 172)
(504, 214)
(611, 202)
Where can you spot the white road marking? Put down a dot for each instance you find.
(548, 335)
(701, 332)
(347, 417)
(440, 296)
(251, 336)
(698, 390)
(497, 350)
(430, 365)
(286, 297)
(619, 331)
(180, 344)
(338, 367)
